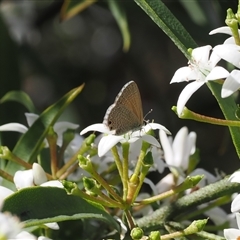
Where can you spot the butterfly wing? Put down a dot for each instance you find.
(126, 112)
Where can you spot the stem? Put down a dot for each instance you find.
(6, 176)
(117, 161)
(187, 114)
(125, 148)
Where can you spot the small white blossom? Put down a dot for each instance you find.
(233, 233)
(202, 69)
(107, 142)
(235, 206)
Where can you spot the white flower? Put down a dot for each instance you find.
(230, 52)
(59, 127)
(107, 142)
(235, 206)
(232, 233)
(178, 151)
(10, 226)
(201, 69)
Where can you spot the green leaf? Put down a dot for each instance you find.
(161, 15)
(20, 97)
(72, 7)
(39, 205)
(30, 144)
(121, 19)
(229, 108)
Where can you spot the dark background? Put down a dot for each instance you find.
(46, 58)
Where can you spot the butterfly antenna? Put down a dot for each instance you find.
(146, 116)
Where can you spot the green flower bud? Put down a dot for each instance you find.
(136, 233)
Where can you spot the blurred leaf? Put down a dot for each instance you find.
(121, 19)
(161, 15)
(72, 7)
(20, 97)
(29, 145)
(39, 205)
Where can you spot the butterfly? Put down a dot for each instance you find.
(126, 113)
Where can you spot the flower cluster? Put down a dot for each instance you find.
(203, 68)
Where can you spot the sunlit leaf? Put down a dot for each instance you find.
(121, 19)
(20, 97)
(72, 7)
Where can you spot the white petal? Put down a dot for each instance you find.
(217, 73)
(44, 238)
(53, 183)
(107, 142)
(191, 143)
(39, 176)
(4, 193)
(231, 84)
(229, 52)
(23, 179)
(235, 177)
(230, 40)
(238, 219)
(179, 148)
(231, 233)
(99, 127)
(183, 74)
(150, 139)
(225, 30)
(166, 183)
(31, 118)
(52, 225)
(13, 127)
(25, 235)
(61, 127)
(201, 54)
(235, 206)
(213, 60)
(186, 93)
(156, 126)
(167, 148)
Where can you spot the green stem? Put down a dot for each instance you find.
(187, 114)
(117, 161)
(125, 148)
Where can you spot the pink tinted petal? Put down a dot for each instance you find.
(107, 142)
(99, 127)
(229, 52)
(231, 84)
(225, 30)
(13, 127)
(217, 73)
(235, 206)
(201, 54)
(183, 74)
(23, 179)
(39, 176)
(186, 93)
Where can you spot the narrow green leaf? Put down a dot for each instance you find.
(161, 15)
(30, 144)
(39, 205)
(121, 19)
(72, 7)
(229, 108)
(20, 97)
